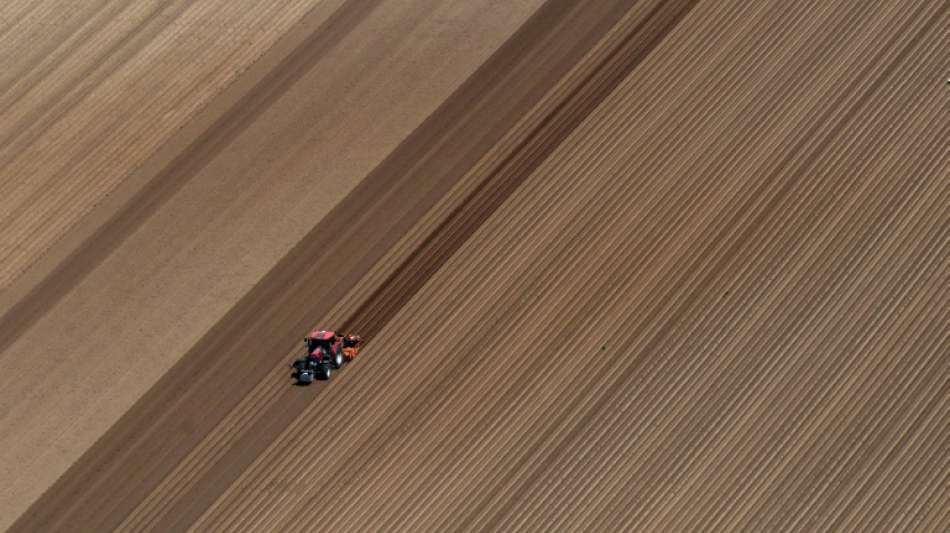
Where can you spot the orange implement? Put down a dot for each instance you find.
(351, 346)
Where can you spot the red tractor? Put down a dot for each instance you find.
(326, 351)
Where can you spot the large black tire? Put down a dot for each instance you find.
(337, 361)
(324, 372)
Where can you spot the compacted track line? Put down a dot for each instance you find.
(425, 446)
(101, 488)
(405, 281)
(173, 176)
(408, 277)
(436, 251)
(100, 105)
(747, 277)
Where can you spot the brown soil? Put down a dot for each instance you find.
(650, 266)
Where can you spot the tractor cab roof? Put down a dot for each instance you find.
(322, 335)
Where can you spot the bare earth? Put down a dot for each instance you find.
(622, 265)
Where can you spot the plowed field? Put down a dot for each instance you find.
(621, 265)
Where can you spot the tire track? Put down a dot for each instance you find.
(189, 382)
(819, 380)
(801, 316)
(426, 394)
(55, 43)
(12, 22)
(778, 320)
(806, 492)
(169, 179)
(400, 444)
(96, 151)
(398, 292)
(630, 51)
(799, 302)
(731, 251)
(445, 240)
(175, 174)
(682, 372)
(29, 128)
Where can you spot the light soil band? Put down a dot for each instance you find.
(132, 458)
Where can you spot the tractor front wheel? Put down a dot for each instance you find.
(337, 361)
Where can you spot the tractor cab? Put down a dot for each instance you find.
(320, 339)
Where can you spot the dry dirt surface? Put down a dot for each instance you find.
(621, 265)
